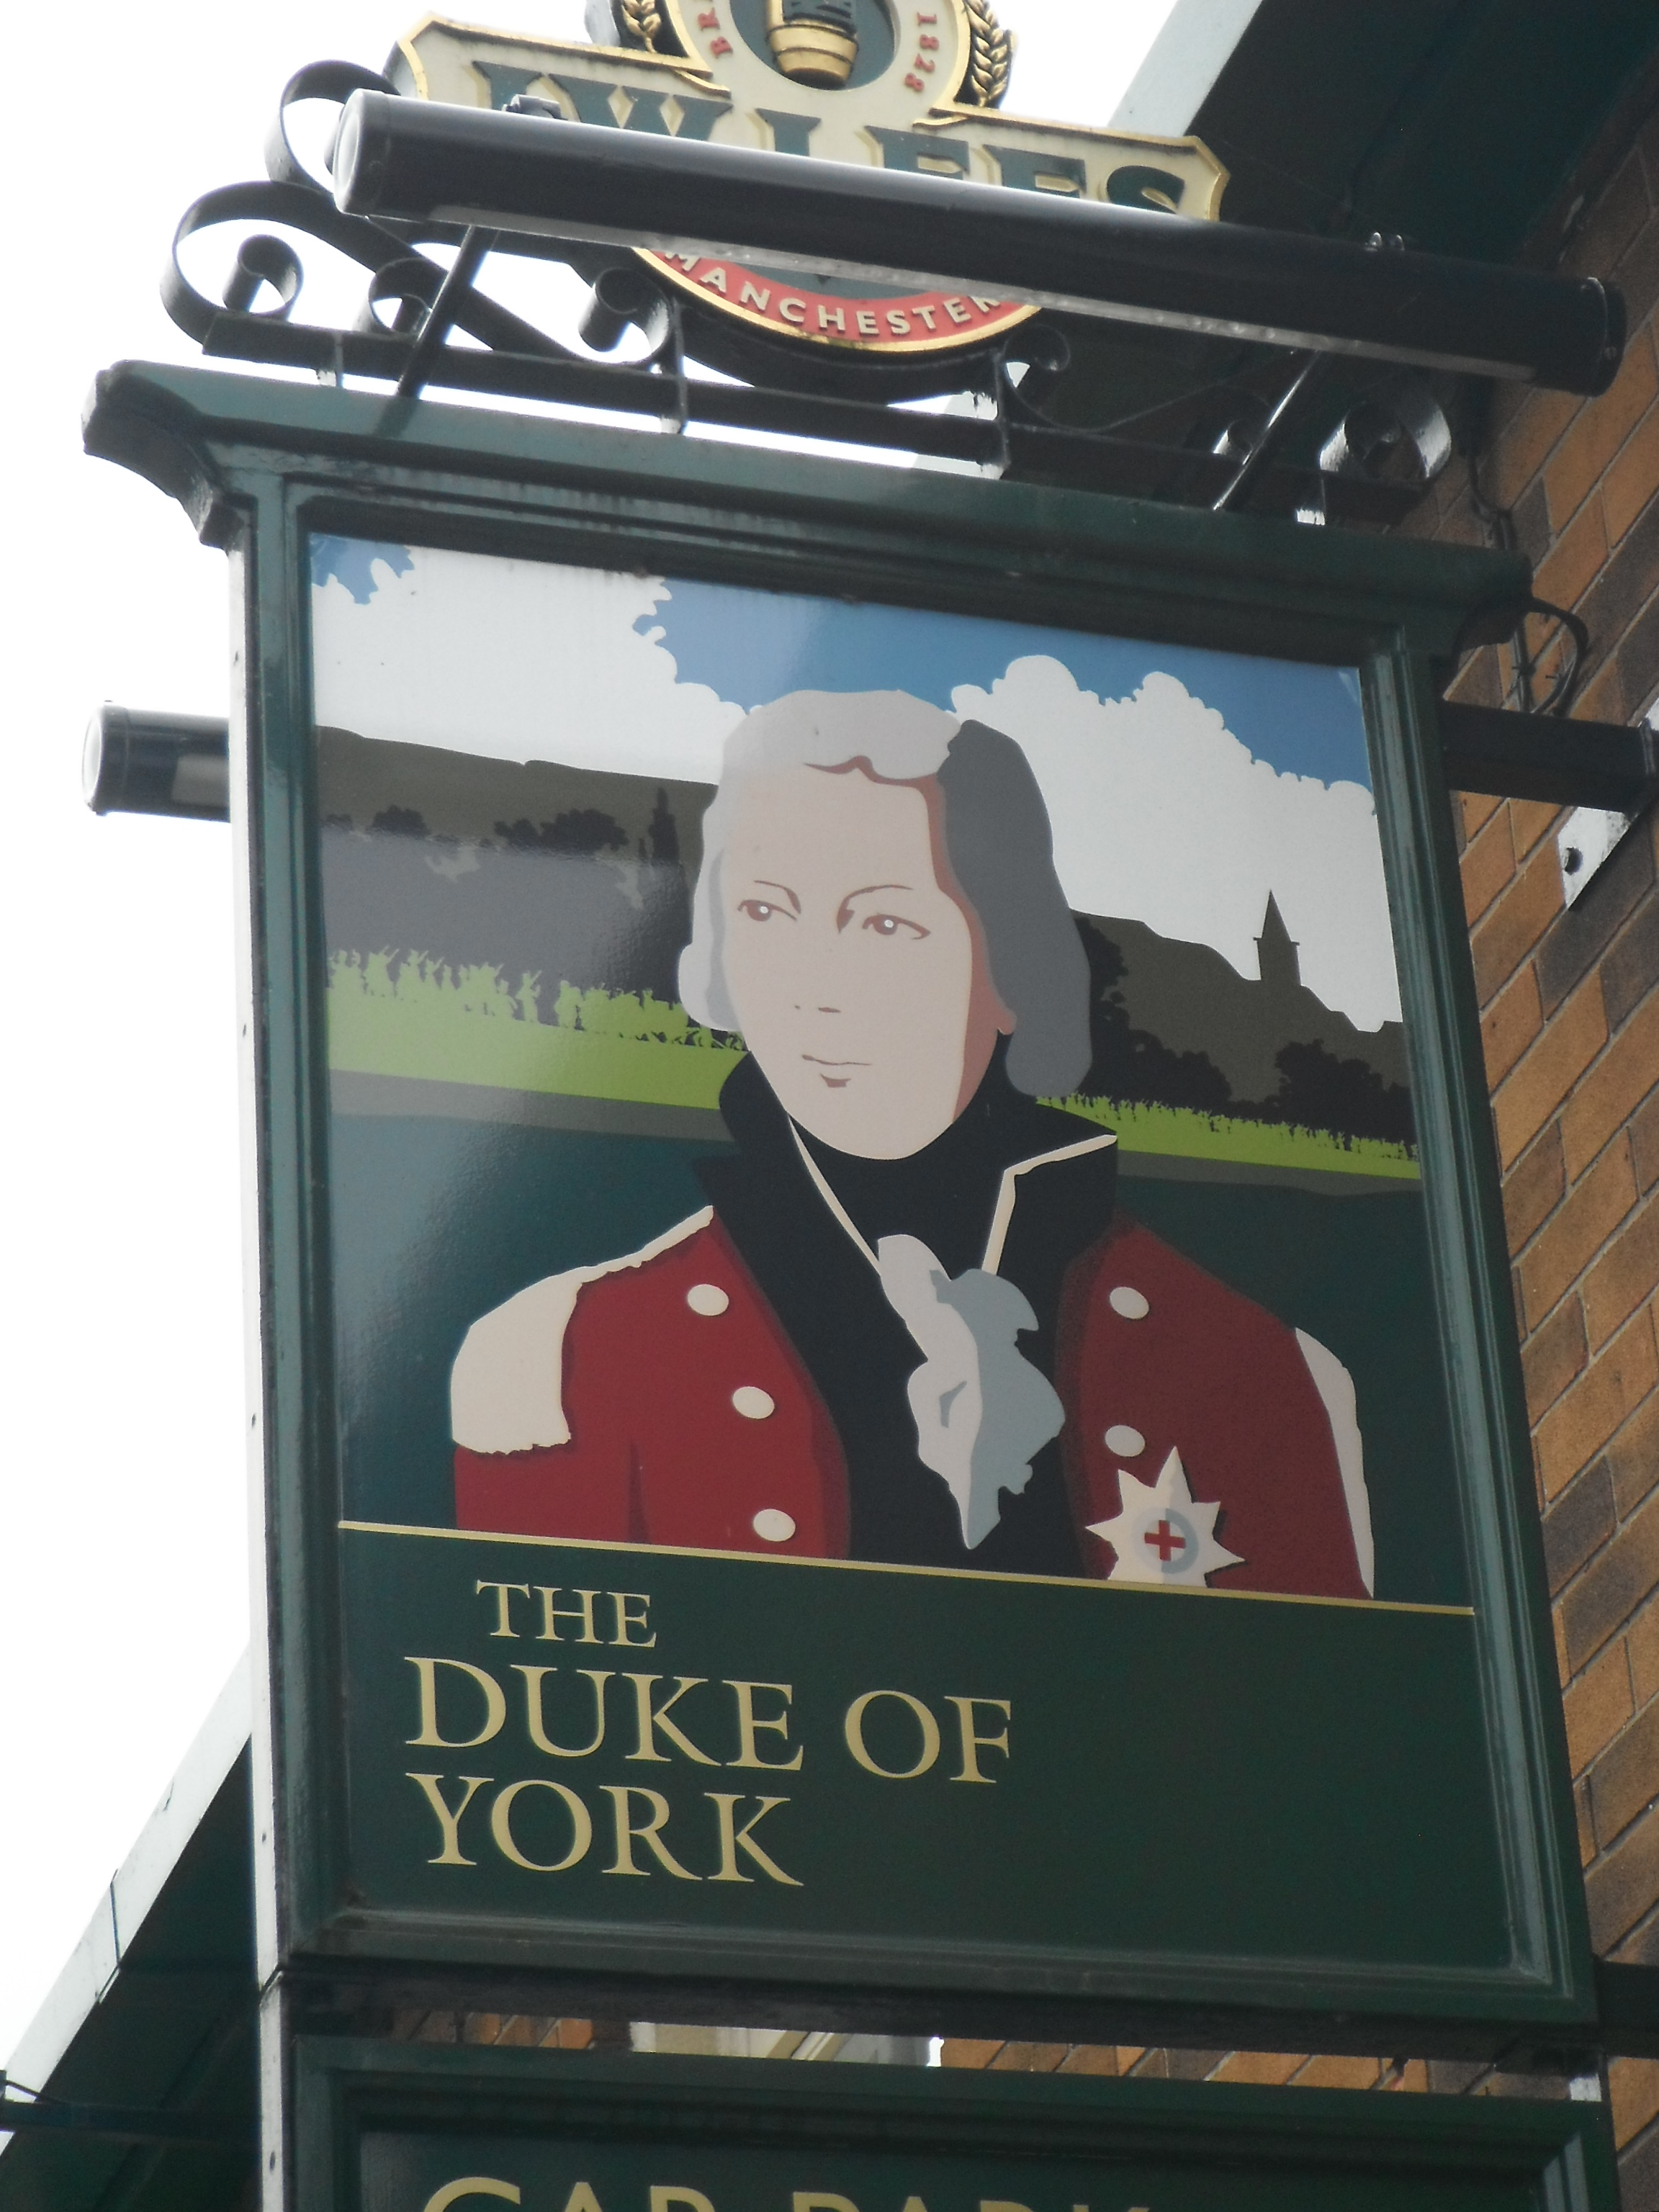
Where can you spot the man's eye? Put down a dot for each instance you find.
(894, 925)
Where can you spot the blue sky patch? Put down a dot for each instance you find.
(752, 646)
(351, 562)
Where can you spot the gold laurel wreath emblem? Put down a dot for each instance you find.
(990, 58)
(643, 21)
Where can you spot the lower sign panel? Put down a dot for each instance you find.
(422, 2129)
(923, 1777)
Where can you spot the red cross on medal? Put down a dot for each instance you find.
(1162, 1534)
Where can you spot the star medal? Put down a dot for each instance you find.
(1162, 1535)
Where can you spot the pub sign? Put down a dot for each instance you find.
(886, 1364)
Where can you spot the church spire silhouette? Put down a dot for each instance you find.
(1278, 961)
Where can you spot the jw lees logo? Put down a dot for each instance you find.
(915, 86)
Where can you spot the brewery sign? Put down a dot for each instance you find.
(915, 87)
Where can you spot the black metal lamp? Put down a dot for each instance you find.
(420, 159)
(139, 763)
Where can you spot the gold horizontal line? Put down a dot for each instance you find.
(887, 1567)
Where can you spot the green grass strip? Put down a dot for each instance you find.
(421, 1019)
(1179, 1132)
(389, 1036)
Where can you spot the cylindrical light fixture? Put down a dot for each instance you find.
(421, 159)
(139, 763)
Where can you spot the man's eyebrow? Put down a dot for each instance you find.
(771, 886)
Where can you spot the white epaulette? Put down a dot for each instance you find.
(506, 1387)
(1335, 1387)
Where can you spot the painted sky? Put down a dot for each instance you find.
(1184, 786)
(753, 645)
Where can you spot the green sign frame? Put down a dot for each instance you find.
(382, 2128)
(1400, 1872)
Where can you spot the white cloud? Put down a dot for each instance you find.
(514, 660)
(1162, 816)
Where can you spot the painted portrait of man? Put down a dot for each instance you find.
(913, 1324)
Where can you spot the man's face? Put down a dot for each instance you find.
(857, 979)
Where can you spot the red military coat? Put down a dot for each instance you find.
(657, 1400)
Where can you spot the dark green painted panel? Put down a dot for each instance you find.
(1354, 1272)
(385, 2130)
(172, 2029)
(1189, 1774)
(401, 2173)
(435, 1222)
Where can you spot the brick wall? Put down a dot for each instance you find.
(511, 2030)
(1275, 2068)
(1569, 1015)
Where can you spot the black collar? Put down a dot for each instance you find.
(826, 1295)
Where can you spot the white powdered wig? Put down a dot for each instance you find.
(997, 842)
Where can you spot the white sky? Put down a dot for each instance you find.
(123, 1569)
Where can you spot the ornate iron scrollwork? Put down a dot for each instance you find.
(1204, 445)
(238, 326)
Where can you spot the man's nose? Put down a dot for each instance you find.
(817, 978)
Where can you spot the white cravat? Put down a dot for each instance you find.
(982, 1412)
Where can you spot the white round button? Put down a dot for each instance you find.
(1123, 1440)
(1131, 1305)
(773, 1526)
(707, 1298)
(753, 1403)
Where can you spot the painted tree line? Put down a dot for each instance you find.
(588, 913)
